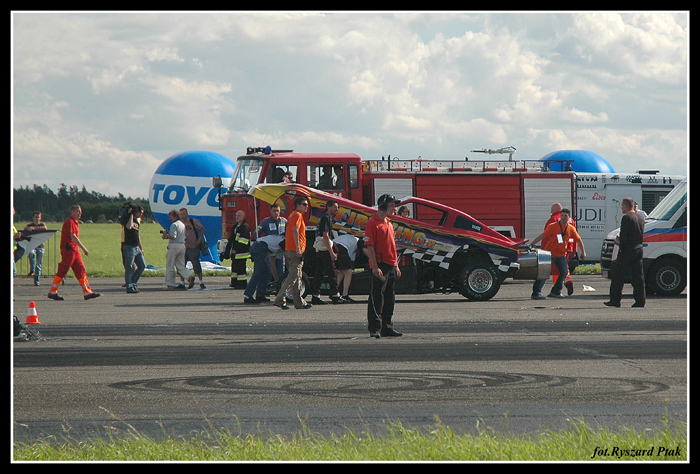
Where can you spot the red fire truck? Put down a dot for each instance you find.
(512, 197)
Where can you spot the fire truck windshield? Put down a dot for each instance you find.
(246, 174)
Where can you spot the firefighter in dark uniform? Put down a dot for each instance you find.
(238, 250)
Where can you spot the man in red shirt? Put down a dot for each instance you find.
(559, 234)
(70, 257)
(381, 251)
(295, 245)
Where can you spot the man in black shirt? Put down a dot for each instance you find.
(326, 256)
(629, 257)
(132, 250)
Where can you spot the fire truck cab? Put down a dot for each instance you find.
(335, 173)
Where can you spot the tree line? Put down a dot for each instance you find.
(55, 206)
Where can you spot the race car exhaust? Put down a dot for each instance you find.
(535, 264)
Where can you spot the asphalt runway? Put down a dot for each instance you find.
(165, 363)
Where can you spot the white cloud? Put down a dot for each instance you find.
(581, 116)
(649, 45)
(146, 86)
(93, 159)
(195, 108)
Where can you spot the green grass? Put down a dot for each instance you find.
(580, 442)
(103, 241)
(587, 269)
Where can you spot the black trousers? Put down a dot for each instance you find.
(380, 306)
(325, 266)
(628, 265)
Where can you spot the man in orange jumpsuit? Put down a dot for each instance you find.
(70, 257)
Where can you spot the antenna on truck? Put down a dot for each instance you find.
(508, 149)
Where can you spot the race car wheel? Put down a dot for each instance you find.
(479, 281)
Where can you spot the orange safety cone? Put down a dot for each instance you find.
(32, 316)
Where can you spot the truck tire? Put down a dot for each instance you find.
(667, 277)
(479, 281)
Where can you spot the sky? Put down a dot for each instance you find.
(101, 99)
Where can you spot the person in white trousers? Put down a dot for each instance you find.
(175, 257)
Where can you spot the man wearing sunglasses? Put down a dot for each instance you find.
(295, 245)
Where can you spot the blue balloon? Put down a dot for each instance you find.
(580, 161)
(185, 180)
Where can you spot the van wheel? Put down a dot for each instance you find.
(479, 281)
(667, 277)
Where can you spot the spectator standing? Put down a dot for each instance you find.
(194, 233)
(295, 245)
(347, 251)
(175, 255)
(639, 211)
(629, 257)
(36, 256)
(326, 256)
(132, 250)
(381, 251)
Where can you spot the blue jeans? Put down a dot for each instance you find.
(36, 257)
(262, 271)
(563, 266)
(133, 254)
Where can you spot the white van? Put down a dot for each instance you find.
(665, 245)
(598, 198)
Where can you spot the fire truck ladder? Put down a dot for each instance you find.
(479, 166)
(508, 149)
